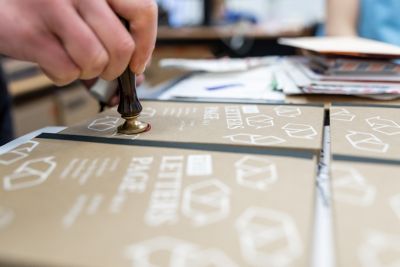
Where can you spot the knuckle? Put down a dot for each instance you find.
(124, 48)
(29, 36)
(65, 77)
(149, 6)
(96, 62)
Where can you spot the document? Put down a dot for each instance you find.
(366, 131)
(365, 184)
(367, 213)
(283, 126)
(339, 45)
(65, 203)
(255, 84)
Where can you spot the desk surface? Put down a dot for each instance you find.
(218, 32)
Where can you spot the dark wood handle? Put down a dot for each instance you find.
(129, 105)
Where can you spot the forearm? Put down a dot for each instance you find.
(342, 17)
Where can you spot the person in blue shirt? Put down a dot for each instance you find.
(372, 19)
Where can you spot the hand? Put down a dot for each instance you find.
(79, 39)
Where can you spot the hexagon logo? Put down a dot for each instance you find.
(255, 172)
(18, 153)
(380, 249)
(206, 202)
(260, 121)
(341, 114)
(383, 126)
(366, 142)
(351, 187)
(255, 139)
(104, 124)
(302, 131)
(288, 111)
(268, 237)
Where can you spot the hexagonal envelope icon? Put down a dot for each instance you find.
(166, 251)
(384, 126)
(366, 142)
(18, 153)
(260, 121)
(351, 187)
(206, 202)
(302, 131)
(104, 124)
(380, 249)
(255, 139)
(341, 114)
(148, 112)
(288, 111)
(255, 172)
(268, 237)
(31, 173)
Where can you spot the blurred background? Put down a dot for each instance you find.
(187, 29)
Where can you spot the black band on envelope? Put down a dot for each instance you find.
(183, 145)
(340, 157)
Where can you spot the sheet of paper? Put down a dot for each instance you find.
(217, 65)
(365, 131)
(258, 125)
(82, 204)
(343, 46)
(252, 84)
(367, 213)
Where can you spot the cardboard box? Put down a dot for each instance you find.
(293, 127)
(367, 213)
(365, 183)
(81, 204)
(365, 131)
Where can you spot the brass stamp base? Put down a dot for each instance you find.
(133, 126)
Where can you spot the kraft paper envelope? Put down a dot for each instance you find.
(83, 204)
(365, 131)
(366, 213)
(344, 45)
(262, 125)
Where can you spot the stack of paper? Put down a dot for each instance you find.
(342, 65)
(226, 79)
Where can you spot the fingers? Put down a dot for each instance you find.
(112, 34)
(85, 39)
(58, 67)
(142, 15)
(80, 42)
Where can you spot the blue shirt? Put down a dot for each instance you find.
(380, 20)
